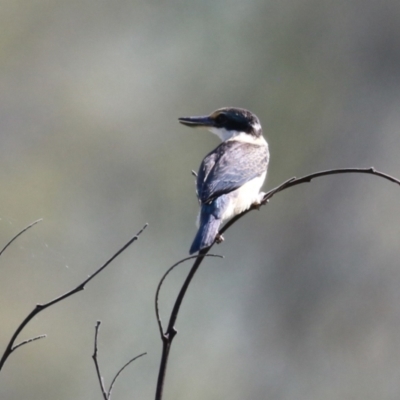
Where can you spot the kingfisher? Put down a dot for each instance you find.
(230, 177)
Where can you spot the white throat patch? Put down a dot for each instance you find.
(225, 135)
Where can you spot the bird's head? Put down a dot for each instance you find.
(228, 123)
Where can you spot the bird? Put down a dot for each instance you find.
(230, 177)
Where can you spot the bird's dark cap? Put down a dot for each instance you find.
(229, 118)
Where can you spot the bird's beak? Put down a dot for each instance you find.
(203, 121)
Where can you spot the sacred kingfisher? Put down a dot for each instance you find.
(230, 177)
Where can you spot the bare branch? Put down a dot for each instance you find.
(306, 179)
(121, 250)
(96, 363)
(171, 332)
(19, 234)
(28, 341)
(162, 281)
(107, 396)
(40, 307)
(119, 372)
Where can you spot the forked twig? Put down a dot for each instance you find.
(107, 395)
(40, 307)
(162, 281)
(170, 333)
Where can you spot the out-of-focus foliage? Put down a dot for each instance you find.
(306, 304)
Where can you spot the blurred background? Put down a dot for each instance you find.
(306, 303)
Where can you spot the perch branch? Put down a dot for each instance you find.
(171, 331)
(306, 179)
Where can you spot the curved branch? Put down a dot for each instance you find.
(162, 281)
(306, 179)
(19, 234)
(29, 341)
(40, 307)
(171, 332)
(119, 372)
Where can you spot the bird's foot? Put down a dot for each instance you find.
(260, 201)
(219, 238)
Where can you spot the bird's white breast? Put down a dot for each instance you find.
(241, 199)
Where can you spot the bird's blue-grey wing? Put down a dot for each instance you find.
(206, 166)
(228, 167)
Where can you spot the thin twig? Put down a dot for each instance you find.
(28, 341)
(162, 281)
(306, 179)
(40, 307)
(96, 363)
(122, 249)
(171, 332)
(119, 372)
(19, 234)
(107, 395)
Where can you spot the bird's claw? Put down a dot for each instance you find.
(260, 201)
(219, 238)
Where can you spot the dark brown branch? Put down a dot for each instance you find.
(107, 395)
(28, 341)
(40, 307)
(370, 170)
(120, 370)
(162, 281)
(171, 331)
(96, 363)
(306, 179)
(19, 234)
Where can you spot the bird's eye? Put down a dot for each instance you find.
(221, 119)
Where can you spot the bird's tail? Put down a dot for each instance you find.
(206, 234)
